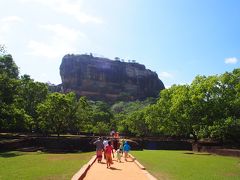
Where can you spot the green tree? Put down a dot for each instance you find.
(54, 113)
(227, 118)
(83, 114)
(100, 113)
(173, 111)
(8, 93)
(136, 123)
(31, 93)
(208, 108)
(122, 112)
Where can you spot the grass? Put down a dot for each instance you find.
(182, 165)
(41, 166)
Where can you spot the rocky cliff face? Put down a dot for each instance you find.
(104, 79)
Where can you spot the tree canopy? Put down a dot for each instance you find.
(206, 108)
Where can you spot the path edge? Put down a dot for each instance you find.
(83, 171)
(150, 177)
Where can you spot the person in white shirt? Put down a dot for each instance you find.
(105, 143)
(112, 133)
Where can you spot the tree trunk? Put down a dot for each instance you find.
(195, 137)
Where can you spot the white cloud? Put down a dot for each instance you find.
(44, 77)
(231, 60)
(165, 75)
(69, 7)
(43, 49)
(61, 31)
(167, 86)
(62, 41)
(7, 24)
(167, 78)
(11, 19)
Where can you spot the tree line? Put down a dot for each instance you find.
(30, 106)
(207, 108)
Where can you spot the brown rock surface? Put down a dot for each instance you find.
(104, 79)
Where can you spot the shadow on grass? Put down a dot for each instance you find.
(193, 153)
(188, 153)
(61, 151)
(9, 154)
(203, 154)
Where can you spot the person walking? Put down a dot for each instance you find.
(118, 153)
(115, 143)
(105, 143)
(126, 149)
(109, 153)
(121, 146)
(99, 149)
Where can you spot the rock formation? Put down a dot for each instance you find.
(104, 79)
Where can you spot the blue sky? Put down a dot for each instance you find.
(178, 39)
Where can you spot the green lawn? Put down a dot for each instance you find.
(179, 165)
(41, 166)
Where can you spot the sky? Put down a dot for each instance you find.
(177, 39)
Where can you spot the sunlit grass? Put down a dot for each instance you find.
(182, 165)
(41, 166)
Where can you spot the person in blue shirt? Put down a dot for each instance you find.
(126, 149)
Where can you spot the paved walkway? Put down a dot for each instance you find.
(125, 170)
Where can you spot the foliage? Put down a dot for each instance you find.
(54, 113)
(8, 92)
(206, 108)
(94, 117)
(136, 123)
(30, 95)
(83, 116)
(125, 114)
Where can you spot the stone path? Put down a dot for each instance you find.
(125, 170)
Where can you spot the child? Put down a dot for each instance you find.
(118, 155)
(108, 153)
(121, 146)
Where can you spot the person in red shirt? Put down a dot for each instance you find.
(109, 153)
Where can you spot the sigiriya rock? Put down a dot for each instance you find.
(103, 79)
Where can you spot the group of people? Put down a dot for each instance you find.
(107, 147)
